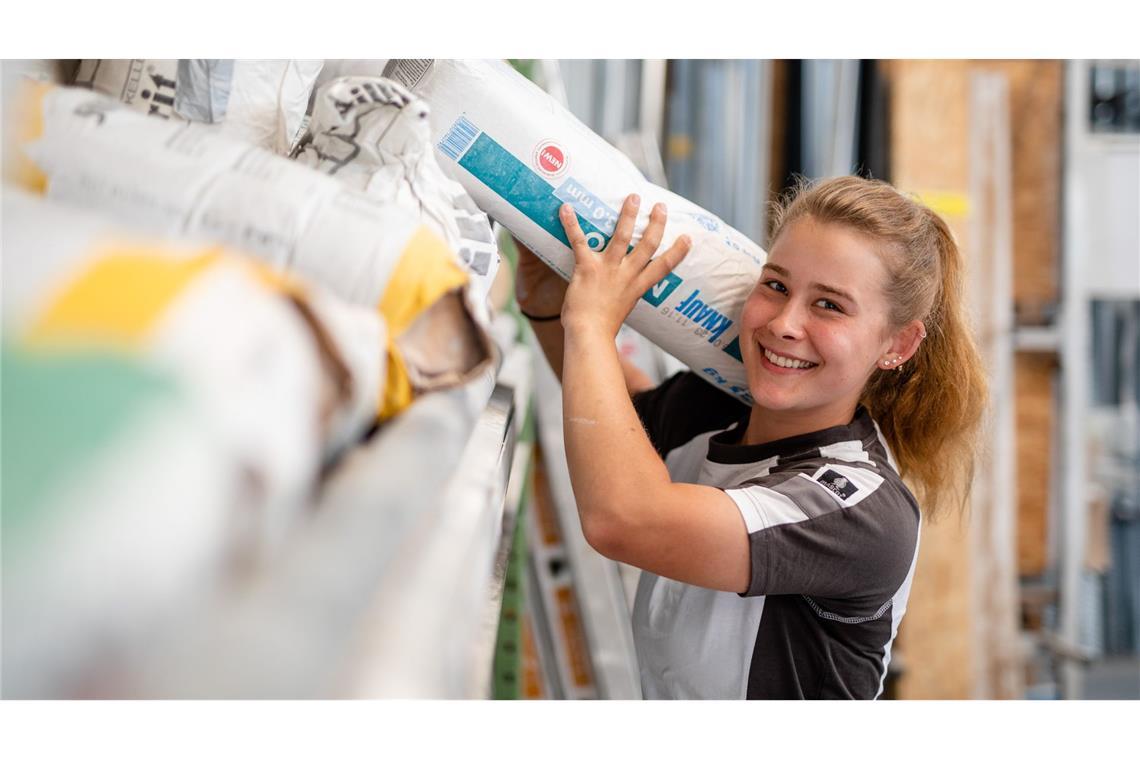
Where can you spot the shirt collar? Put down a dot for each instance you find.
(724, 447)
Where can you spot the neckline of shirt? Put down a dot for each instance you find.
(725, 449)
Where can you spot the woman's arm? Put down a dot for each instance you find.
(631, 511)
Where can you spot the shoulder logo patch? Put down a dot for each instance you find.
(838, 484)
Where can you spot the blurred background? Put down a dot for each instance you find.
(437, 552)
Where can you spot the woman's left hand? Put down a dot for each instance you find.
(605, 286)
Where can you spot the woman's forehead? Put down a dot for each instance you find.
(829, 253)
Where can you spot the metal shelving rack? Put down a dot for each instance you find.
(1091, 207)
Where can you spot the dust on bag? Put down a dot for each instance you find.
(521, 155)
(261, 101)
(186, 180)
(373, 135)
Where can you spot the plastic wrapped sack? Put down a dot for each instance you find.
(190, 181)
(521, 155)
(373, 135)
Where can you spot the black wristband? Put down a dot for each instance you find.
(536, 318)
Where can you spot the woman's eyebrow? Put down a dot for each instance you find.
(834, 291)
(816, 285)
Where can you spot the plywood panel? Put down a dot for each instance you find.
(1033, 377)
(929, 154)
(1035, 91)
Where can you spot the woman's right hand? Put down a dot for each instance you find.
(538, 288)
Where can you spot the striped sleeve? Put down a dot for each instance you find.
(840, 531)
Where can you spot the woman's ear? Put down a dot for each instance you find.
(903, 345)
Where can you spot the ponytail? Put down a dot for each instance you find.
(931, 410)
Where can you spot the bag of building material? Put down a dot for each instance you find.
(189, 181)
(121, 515)
(260, 101)
(373, 135)
(166, 408)
(521, 155)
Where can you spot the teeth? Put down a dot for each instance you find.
(780, 361)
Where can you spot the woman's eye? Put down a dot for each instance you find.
(776, 285)
(828, 305)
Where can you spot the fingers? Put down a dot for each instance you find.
(623, 231)
(651, 240)
(574, 233)
(663, 264)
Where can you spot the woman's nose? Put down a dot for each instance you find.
(788, 323)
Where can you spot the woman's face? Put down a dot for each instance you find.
(816, 325)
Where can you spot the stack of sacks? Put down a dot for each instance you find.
(521, 155)
(189, 181)
(373, 135)
(289, 375)
(167, 410)
(260, 101)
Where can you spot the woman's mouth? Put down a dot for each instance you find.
(785, 362)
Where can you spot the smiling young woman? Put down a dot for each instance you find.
(777, 542)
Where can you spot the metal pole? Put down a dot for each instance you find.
(1074, 384)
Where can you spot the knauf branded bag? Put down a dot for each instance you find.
(520, 155)
(261, 101)
(373, 135)
(186, 180)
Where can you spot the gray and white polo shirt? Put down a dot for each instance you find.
(834, 539)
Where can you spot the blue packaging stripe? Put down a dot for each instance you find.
(534, 197)
(517, 184)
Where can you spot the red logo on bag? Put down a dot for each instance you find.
(550, 158)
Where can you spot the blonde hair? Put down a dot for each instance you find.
(931, 411)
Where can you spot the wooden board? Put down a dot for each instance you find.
(1034, 375)
(1036, 99)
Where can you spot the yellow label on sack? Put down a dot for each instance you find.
(28, 124)
(118, 298)
(426, 270)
